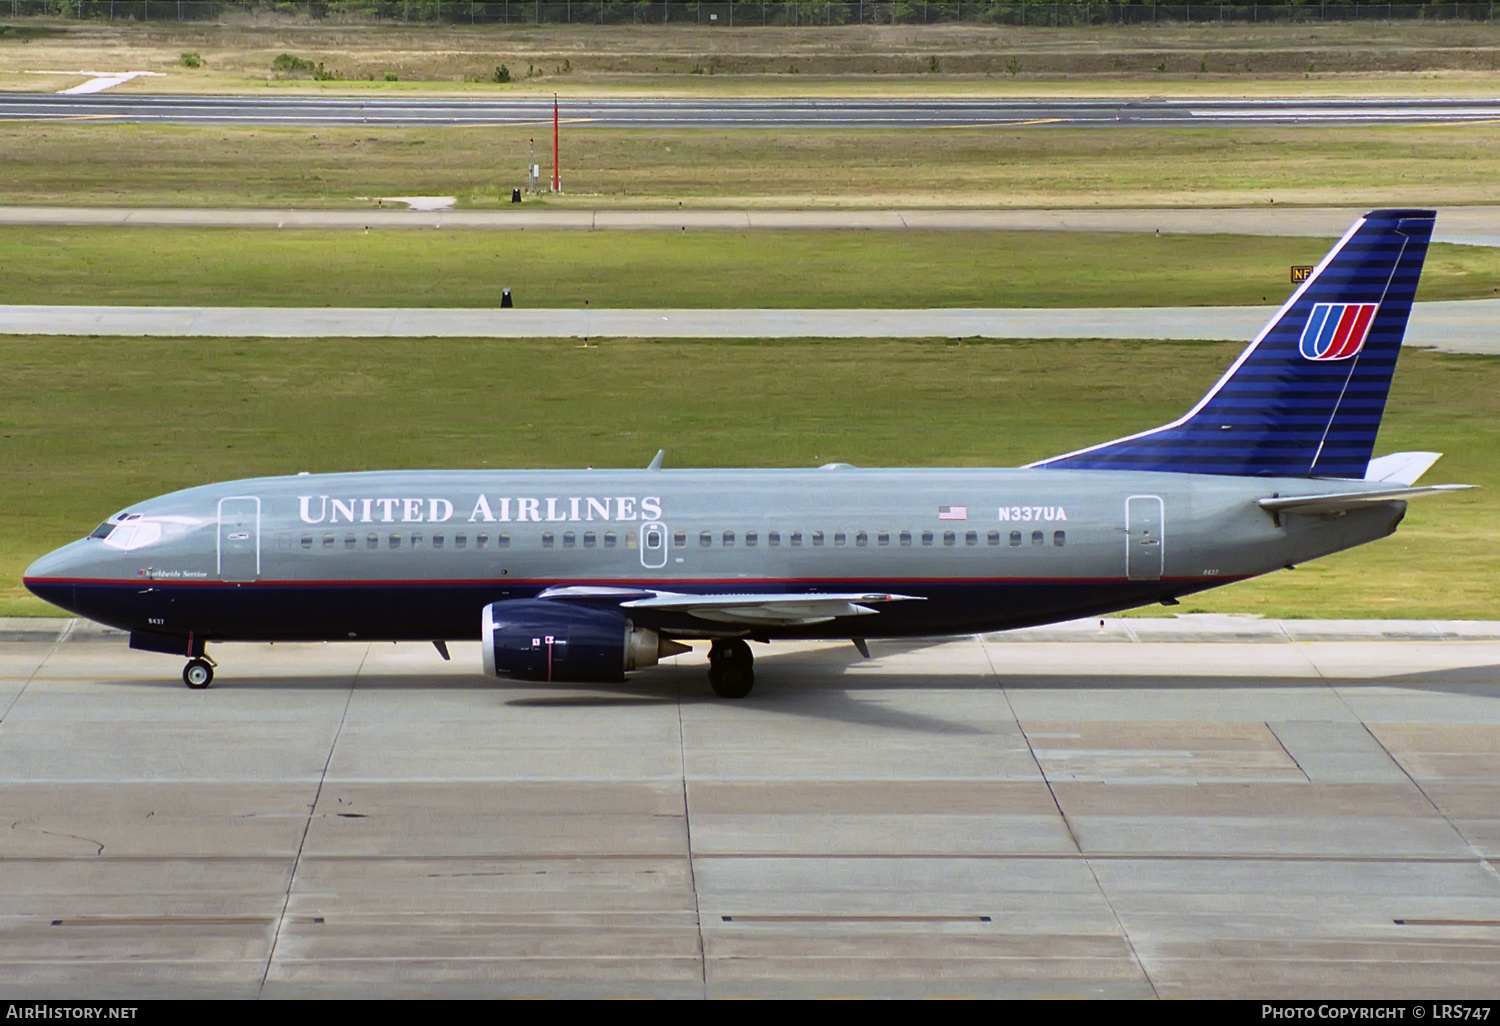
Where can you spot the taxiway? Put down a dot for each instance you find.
(744, 112)
(1454, 326)
(1201, 806)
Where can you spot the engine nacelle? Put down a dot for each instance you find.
(533, 639)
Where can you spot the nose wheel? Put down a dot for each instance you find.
(731, 668)
(198, 673)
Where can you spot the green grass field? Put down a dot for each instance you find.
(95, 163)
(819, 269)
(91, 425)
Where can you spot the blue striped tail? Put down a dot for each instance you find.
(1305, 399)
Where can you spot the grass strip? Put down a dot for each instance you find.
(719, 269)
(91, 425)
(111, 164)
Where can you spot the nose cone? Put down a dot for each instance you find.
(52, 577)
(68, 561)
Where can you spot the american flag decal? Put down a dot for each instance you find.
(953, 512)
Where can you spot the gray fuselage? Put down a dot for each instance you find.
(418, 554)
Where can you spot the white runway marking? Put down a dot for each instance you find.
(422, 202)
(98, 81)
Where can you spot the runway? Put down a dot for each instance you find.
(1195, 807)
(1460, 326)
(748, 112)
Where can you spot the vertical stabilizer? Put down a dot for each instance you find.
(1305, 399)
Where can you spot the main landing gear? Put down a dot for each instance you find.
(198, 673)
(731, 668)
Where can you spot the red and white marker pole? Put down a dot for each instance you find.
(556, 173)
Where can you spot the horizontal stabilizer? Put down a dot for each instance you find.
(768, 610)
(1402, 468)
(1342, 502)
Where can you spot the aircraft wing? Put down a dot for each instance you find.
(768, 610)
(1342, 502)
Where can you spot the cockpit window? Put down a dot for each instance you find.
(107, 528)
(134, 533)
(128, 531)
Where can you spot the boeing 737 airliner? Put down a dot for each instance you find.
(586, 575)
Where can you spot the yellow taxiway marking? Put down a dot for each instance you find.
(517, 124)
(70, 117)
(1004, 124)
(1459, 124)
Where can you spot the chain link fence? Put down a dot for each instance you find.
(740, 12)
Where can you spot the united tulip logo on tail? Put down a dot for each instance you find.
(1337, 331)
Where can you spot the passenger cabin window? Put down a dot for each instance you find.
(949, 538)
(372, 541)
(328, 541)
(502, 541)
(548, 539)
(416, 541)
(883, 538)
(796, 538)
(589, 539)
(1015, 538)
(460, 540)
(1059, 538)
(993, 537)
(705, 539)
(307, 541)
(751, 537)
(773, 538)
(1036, 538)
(437, 541)
(679, 539)
(971, 537)
(728, 539)
(481, 540)
(609, 539)
(817, 537)
(570, 540)
(861, 539)
(838, 537)
(926, 537)
(350, 541)
(394, 541)
(905, 537)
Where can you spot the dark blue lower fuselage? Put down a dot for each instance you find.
(427, 611)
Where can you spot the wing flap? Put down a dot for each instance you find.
(1342, 502)
(769, 610)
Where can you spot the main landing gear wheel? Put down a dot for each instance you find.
(198, 674)
(731, 668)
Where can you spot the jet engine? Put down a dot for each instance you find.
(533, 639)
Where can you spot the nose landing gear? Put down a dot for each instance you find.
(731, 668)
(198, 673)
